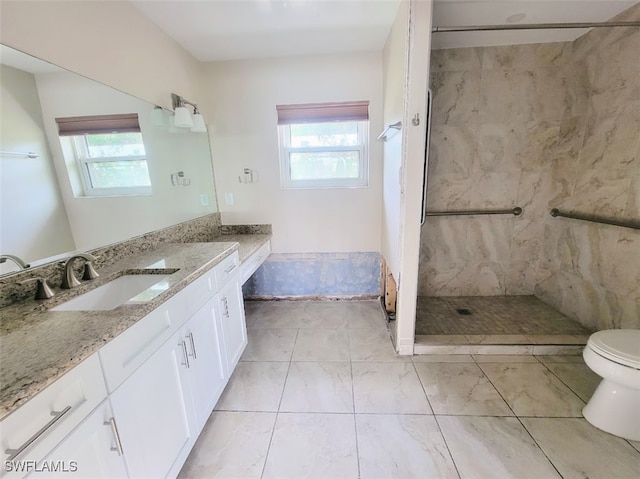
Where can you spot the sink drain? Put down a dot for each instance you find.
(464, 311)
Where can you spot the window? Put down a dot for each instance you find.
(110, 154)
(324, 145)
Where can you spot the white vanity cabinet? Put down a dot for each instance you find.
(162, 406)
(151, 411)
(31, 432)
(136, 407)
(232, 321)
(92, 450)
(202, 361)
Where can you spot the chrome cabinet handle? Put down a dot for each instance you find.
(193, 345)
(185, 354)
(230, 268)
(57, 415)
(226, 307)
(116, 436)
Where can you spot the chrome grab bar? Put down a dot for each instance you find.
(633, 224)
(394, 126)
(57, 415)
(517, 211)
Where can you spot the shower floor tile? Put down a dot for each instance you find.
(493, 319)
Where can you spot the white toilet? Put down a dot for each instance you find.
(615, 406)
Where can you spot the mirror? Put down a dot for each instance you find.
(43, 213)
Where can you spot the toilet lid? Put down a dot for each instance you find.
(619, 345)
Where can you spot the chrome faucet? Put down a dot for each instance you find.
(15, 259)
(69, 279)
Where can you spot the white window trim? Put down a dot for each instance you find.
(84, 160)
(284, 139)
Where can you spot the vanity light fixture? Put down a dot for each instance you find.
(183, 117)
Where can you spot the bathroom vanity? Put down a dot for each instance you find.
(126, 392)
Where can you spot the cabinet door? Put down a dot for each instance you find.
(206, 371)
(92, 450)
(151, 413)
(234, 330)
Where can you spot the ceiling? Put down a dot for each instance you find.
(216, 30)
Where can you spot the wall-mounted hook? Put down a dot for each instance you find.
(416, 120)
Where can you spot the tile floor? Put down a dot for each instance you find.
(320, 393)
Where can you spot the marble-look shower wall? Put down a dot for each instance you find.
(591, 272)
(496, 113)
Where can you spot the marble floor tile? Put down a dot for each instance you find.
(442, 358)
(313, 446)
(532, 390)
(497, 339)
(373, 345)
(325, 314)
(504, 358)
(388, 388)
(269, 344)
(366, 315)
(494, 447)
(579, 339)
(321, 345)
(460, 389)
(274, 314)
(579, 450)
(443, 339)
(254, 387)
(318, 387)
(557, 350)
(232, 444)
(403, 447)
(580, 379)
(566, 358)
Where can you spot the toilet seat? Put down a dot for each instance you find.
(621, 346)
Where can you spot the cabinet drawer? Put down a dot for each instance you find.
(188, 301)
(254, 261)
(224, 270)
(128, 351)
(38, 426)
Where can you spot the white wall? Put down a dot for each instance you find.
(33, 221)
(395, 74)
(243, 96)
(107, 41)
(97, 221)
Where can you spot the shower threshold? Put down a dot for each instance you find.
(494, 325)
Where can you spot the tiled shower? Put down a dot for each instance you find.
(539, 126)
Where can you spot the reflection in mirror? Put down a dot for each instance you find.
(45, 208)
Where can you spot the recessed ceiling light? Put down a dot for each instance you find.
(518, 17)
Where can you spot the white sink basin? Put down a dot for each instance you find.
(127, 289)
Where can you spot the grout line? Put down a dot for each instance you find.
(435, 418)
(519, 419)
(275, 423)
(563, 382)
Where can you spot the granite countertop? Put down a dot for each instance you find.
(247, 243)
(37, 346)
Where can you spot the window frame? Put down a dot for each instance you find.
(84, 160)
(285, 151)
